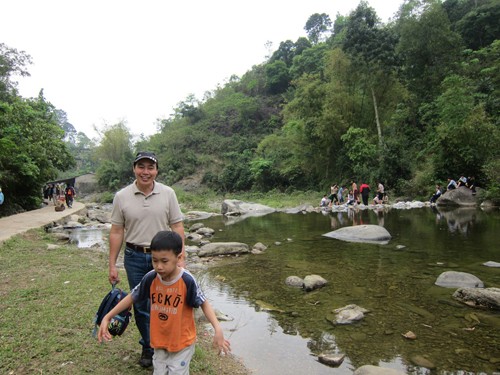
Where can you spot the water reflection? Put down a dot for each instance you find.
(397, 286)
(458, 220)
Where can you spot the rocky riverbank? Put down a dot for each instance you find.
(202, 252)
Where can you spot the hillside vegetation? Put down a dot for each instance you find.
(411, 103)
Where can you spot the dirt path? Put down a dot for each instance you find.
(20, 223)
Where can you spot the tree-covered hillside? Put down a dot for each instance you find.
(411, 103)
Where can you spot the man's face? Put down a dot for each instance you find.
(145, 172)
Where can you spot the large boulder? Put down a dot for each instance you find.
(482, 298)
(302, 209)
(361, 233)
(237, 207)
(223, 248)
(198, 215)
(461, 196)
(454, 279)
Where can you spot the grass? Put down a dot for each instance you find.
(48, 298)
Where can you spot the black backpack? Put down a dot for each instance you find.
(118, 323)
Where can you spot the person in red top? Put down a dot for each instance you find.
(173, 294)
(364, 189)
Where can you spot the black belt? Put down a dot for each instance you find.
(141, 249)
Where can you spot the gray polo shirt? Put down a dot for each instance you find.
(143, 216)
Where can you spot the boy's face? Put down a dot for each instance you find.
(165, 263)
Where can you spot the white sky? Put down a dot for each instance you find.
(103, 61)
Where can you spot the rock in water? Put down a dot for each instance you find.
(333, 360)
(361, 233)
(454, 279)
(478, 297)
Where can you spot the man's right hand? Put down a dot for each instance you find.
(113, 275)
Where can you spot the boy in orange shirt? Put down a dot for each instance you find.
(173, 293)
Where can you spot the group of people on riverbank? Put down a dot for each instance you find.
(340, 195)
(59, 193)
(467, 182)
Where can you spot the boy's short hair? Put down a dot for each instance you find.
(167, 240)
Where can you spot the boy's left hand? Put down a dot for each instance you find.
(223, 345)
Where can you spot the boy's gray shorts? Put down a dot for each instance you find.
(167, 363)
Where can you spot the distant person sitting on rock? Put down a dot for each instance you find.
(324, 201)
(462, 181)
(472, 184)
(451, 184)
(436, 195)
(379, 197)
(350, 198)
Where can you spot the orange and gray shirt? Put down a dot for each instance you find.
(172, 325)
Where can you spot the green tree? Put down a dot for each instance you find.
(476, 21)
(362, 153)
(284, 53)
(466, 138)
(278, 77)
(82, 148)
(114, 154)
(428, 48)
(12, 63)
(32, 150)
(309, 62)
(317, 26)
(372, 51)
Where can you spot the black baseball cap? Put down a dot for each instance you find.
(146, 155)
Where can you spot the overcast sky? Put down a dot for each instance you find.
(111, 60)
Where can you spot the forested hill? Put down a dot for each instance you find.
(410, 103)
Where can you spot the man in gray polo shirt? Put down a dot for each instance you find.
(140, 210)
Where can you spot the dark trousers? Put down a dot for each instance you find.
(137, 264)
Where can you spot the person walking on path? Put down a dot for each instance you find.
(140, 210)
(69, 194)
(173, 293)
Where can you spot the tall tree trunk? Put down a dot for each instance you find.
(379, 129)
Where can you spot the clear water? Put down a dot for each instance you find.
(95, 237)
(395, 284)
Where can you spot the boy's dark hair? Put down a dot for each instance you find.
(167, 240)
